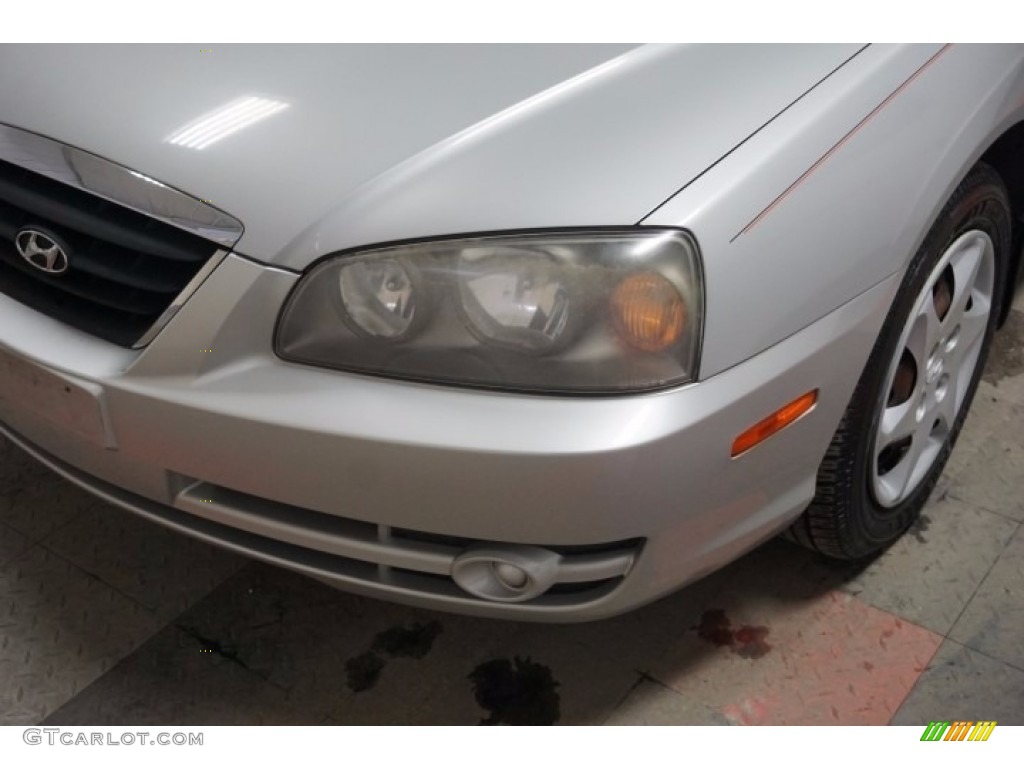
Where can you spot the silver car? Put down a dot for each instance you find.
(538, 332)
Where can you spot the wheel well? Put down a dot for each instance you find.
(1006, 155)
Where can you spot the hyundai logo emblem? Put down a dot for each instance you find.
(42, 250)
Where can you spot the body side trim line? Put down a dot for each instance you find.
(753, 133)
(838, 145)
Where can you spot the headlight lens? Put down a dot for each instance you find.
(514, 298)
(590, 312)
(378, 297)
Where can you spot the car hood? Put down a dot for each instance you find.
(364, 144)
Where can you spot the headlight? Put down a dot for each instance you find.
(607, 311)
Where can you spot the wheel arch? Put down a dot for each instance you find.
(1006, 156)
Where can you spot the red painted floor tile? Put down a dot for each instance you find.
(827, 660)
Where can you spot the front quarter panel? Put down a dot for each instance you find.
(837, 193)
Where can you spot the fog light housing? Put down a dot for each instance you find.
(506, 574)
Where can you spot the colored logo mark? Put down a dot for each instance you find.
(958, 730)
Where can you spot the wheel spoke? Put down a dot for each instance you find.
(912, 460)
(923, 452)
(931, 330)
(972, 328)
(947, 408)
(924, 332)
(895, 482)
(897, 422)
(966, 264)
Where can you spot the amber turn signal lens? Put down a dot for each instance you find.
(779, 420)
(649, 312)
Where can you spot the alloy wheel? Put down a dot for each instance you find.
(932, 368)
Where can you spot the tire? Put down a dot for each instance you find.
(873, 482)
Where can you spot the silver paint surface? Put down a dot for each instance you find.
(379, 144)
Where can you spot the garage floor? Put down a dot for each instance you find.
(106, 619)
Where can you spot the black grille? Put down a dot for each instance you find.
(125, 268)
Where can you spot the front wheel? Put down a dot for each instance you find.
(912, 399)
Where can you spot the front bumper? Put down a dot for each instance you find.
(377, 486)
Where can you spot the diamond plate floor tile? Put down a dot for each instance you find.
(634, 638)
(596, 663)
(364, 661)
(174, 679)
(987, 465)
(961, 684)
(34, 500)
(12, 544)
(1011, 389)
(1005, 367)
(361, 661)
(651, 703)
(556, 674)
(993, 621)
(273, 619)
(501, 672)
(163, 570)
(930, 574)
(399, 666)
(775, 646)
(60, 629)
(375, 662)
(433, 689)
(592, 662)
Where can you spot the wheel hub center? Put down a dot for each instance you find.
(936, 367)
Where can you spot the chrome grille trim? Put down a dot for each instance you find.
(116, 183)
(138, 248)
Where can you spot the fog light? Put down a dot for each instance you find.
(510, 574)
